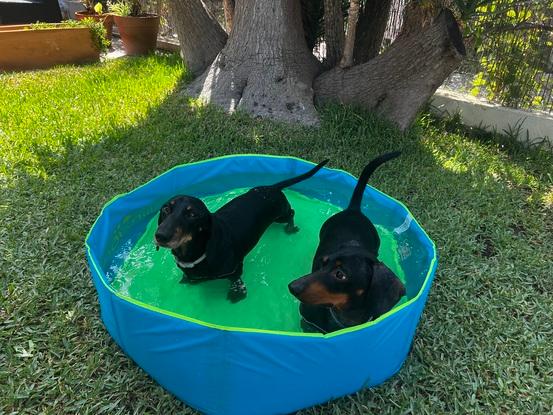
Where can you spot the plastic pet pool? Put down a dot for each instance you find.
(251, 357)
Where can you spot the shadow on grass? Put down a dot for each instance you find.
(487, 213)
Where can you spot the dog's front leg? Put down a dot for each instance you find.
(187, 280)
(237, 289)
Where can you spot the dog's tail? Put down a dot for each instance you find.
(355, 202)
(301, 177)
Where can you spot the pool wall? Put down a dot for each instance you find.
(231, 370)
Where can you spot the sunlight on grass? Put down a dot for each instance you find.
(548, 199)
(452, 164)
(48, 111)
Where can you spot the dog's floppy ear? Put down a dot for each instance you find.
(162, 215)
(319, 262)
(387, 286)
(371, 264)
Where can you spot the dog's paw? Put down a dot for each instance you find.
(291, 229)
(237, 291)
(187, 280)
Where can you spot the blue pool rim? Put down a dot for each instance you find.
(233, 370)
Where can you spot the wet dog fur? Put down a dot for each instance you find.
(213, 245)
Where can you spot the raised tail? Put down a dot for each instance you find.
(301, 177)
(355, 202)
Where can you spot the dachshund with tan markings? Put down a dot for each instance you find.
(348, 285)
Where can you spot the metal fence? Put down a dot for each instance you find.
(512, 58)
(510, 52)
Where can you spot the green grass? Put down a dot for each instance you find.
(72, 138)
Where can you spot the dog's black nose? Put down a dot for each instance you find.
(162, 238)
(295, 287)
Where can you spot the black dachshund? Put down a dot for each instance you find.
(213, 245)
(348, 284)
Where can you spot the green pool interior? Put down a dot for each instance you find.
(152, 277)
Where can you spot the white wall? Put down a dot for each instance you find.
(492, 117)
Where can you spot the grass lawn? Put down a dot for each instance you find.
(72, 138)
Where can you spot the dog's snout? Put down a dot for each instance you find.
(162, 238)
(296, 287)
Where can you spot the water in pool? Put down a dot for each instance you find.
(152, 276)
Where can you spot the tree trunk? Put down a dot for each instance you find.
(417, 15)
(370, 29)
(228, 7)
(201, 36)
(353, 16)
(398, 82)
(214, 7)
(334, 31)
(265, 68)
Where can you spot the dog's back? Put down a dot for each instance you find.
(345, 227)
(248, 216)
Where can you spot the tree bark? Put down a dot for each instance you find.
(370, 29)
(353, 16)
(228, 7)
(417, 16)
(213, 7)
(398, 82)
(334, 31)
(201, 36)
(265, 68)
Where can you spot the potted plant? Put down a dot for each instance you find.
(137, 28)
(94, 10)
(43, 45)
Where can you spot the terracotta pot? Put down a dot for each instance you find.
(24, 48)
(138, 33)
(106, 18)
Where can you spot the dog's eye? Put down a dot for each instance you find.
(166, 209)
(340, 275)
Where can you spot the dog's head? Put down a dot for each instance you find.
(181, 221)
(339, 281)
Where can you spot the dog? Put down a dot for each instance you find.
(348, 285)
(209, 245)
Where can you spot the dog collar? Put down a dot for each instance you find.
(334, 317)
(337, 320)
(314, 325)
(190, 264)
